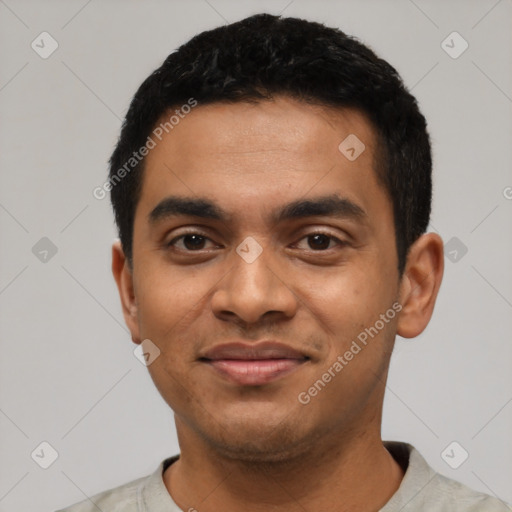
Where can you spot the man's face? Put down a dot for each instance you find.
(324, 274)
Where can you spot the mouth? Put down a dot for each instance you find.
(253, 365)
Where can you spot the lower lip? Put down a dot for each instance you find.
(255, 372)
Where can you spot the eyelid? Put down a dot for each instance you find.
(338, 243)
(341, 238)
(185, 232)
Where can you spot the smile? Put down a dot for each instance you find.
(254, 372)
(253, 364)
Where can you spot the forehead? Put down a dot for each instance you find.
(281, 124)
(258, 154)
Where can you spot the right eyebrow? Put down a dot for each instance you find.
(174, 206)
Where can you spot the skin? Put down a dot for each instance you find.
(258, 448)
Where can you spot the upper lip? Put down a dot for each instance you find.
(252, 351)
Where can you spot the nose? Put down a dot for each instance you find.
(253, 290)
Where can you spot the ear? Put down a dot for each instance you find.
(420, 284)
(123, 276)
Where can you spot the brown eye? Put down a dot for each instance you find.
(319, 241)
(189, 242)
(192, 242)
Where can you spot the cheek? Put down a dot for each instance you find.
(167, 295)
(348, 307)
(346, 299)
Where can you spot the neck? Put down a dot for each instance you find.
(343, 473)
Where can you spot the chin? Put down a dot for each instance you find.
(262, 443)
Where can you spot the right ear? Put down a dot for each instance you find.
(123, 276)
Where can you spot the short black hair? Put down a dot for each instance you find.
(263, 56)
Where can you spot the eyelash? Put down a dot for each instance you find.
(340, 243)
(183, 235)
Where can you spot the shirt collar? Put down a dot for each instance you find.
(153, 496)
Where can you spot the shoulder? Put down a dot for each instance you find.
(129, 497)
(424, 489)
(457, 496)
(123, 497)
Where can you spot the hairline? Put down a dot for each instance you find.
(380, 157)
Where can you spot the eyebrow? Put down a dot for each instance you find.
(327, 206)
(174, 206)
(330, 206)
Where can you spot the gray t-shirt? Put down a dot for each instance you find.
(421, 489)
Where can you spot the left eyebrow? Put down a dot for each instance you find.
(326, 206)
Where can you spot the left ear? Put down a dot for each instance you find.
(420, 284)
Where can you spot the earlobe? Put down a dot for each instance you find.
(123, 276)
(420, 284)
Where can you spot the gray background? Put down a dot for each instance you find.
(68, 373)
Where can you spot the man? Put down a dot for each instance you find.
(272, 189)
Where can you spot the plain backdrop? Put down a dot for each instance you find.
(68, 373)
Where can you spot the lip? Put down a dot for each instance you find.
(253, 364)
